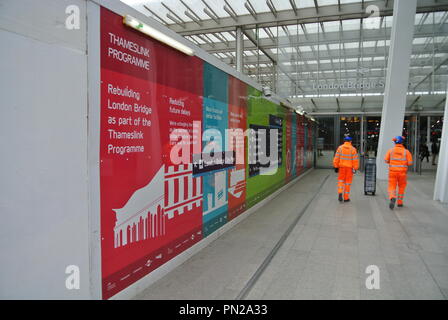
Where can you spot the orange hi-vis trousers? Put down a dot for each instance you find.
(400, 179)
(345, 180)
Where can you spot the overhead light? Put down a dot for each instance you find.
(156, 34)
(300, 111)
(286, 105)
(267, 91)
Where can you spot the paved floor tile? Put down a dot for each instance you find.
(327, 253)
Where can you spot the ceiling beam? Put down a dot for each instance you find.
(304, 15)
(251, 36)
(294, 6)
(334, 54)
(432, 72)
(330, 38)
(439, 103)
(351, 104)
(353, 65)
(316, 6)
(308, 81)
(172, 14)
(253, 39)
(414, 102)
(155, 14)
(315, 108)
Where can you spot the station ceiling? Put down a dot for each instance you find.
(322, 55)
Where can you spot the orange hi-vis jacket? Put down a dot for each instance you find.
(398, 158)
(346, 157)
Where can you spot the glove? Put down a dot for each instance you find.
(336, 170)
(354, 171)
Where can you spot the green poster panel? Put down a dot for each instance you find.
(263, 116)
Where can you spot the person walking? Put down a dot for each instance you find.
(434, 151)
(399, 159)
(424, 152)
(346, 163)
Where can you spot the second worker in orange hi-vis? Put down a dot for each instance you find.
(399, 159)
(346, 162)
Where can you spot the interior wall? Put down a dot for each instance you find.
(48, 173)
(132, 250)
(43, 138)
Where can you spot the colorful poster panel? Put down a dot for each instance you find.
(151, 209)
(294, 144)
(215, 123)
(310, 144)
(300, 150)
(264, 177)
(156, 203)
(237, 142)
(290, 145)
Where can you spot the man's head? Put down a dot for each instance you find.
(398, 140)
(348, 139)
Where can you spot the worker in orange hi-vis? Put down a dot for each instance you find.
(399, 159)
(346, 163)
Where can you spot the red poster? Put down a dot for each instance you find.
(151, 209)
(237, 121)
(300, 150)
(310, 144)
(289, 149)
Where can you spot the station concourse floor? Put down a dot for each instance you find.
(327, 253)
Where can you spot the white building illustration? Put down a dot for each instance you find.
(170, 193)
(237, 182)
(216, 194)
(184, 191)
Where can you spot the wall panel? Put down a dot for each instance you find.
(157, 103)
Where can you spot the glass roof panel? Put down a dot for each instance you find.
(331, 26)
(317, 44)
(197, 6)
(305, 3)
(305, 48)
(353, 24)
(352, 45)
(197, 39)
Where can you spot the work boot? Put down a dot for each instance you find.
(348, 200)
(400, 205)
(340, 197)
(392, 203)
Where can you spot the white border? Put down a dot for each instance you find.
(93, 148)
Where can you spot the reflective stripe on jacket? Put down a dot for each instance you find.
(399, 159)
(346, 157)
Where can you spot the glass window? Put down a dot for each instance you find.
(325, 142)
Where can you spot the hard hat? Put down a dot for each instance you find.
(348, 138)
(398, 140)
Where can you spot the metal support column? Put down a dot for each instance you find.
(361, 152)
(362, 144)
(337, 131)
(441, 187)
(397, 79)
(417, 142)
(239, 49)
